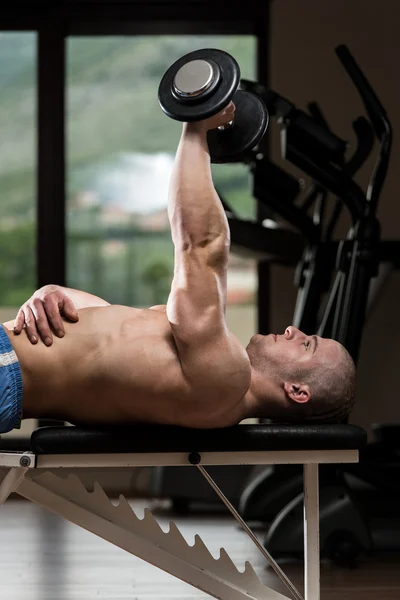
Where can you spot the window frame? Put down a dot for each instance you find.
(53, 25)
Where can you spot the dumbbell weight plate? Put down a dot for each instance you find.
(250, 123)
(216, 94)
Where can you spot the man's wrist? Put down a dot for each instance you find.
(195, 128)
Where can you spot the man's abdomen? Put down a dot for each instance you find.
(115, 365)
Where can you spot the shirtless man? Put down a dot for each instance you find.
(174, 364)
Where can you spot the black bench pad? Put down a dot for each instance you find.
(166, 438)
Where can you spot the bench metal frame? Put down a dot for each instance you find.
(37, 478)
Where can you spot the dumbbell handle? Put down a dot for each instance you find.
(226, 126)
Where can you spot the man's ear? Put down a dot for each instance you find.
(298, 392)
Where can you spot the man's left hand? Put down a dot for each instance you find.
(42, 313)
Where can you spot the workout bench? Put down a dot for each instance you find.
(35, 474)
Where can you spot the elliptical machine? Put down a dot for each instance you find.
(353, 499)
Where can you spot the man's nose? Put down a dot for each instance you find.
(292, 332)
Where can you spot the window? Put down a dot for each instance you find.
(17, 169)
(120, 152)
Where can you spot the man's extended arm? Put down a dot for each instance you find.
(200, 234)
(213, 362)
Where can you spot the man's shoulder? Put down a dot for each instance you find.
(223, 366)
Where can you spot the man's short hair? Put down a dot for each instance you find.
(333, 392)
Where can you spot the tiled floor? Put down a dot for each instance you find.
(44, 557)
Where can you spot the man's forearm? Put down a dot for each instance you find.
(195, 211)
(83, 299)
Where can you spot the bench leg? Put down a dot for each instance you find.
(145, 539)
(311, 533)
(11, 482)
(295, 593)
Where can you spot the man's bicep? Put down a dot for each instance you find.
(196, 304)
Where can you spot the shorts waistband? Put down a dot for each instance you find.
(9, 361)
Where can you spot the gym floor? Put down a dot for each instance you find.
(44, 557)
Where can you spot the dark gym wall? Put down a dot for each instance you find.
(304, 68)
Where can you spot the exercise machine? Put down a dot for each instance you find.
(356, 515)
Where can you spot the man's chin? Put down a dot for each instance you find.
(254, 340)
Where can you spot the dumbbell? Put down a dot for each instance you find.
(201, 84)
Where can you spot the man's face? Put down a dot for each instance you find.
(290, 351)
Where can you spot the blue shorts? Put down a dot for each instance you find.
(10, 386)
